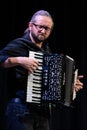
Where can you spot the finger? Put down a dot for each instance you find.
(36, 61)
(80, 77)
(31, 71)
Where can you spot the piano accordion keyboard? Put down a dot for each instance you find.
(34, 80)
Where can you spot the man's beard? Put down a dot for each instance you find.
(39, 38)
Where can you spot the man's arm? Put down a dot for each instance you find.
(31, 64)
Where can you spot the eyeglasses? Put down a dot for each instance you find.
(40, 27)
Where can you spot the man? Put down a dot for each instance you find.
(15, 57)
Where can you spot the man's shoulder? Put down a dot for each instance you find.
(20, 41)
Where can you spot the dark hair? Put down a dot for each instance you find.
(42, 13)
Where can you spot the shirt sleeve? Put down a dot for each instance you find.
(13, 49)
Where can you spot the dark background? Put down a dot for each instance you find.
(69, 37)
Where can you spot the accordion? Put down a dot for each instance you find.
(53, 81)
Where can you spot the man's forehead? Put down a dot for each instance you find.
(43, 19)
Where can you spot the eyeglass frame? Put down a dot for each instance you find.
(40, 27)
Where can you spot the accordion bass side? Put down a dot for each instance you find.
(53, 81)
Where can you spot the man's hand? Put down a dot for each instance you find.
(31, 64)
(78, 85)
